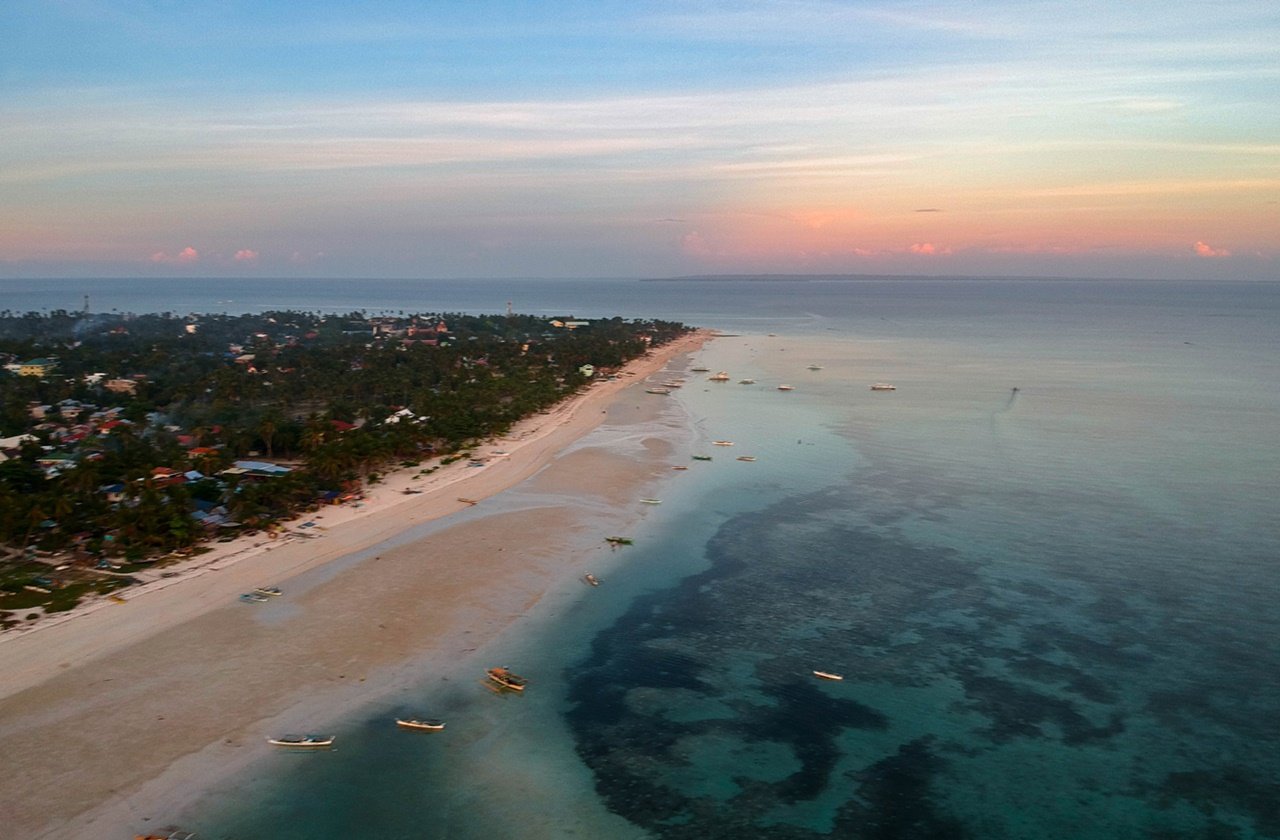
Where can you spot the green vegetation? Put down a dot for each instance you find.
(126, 451)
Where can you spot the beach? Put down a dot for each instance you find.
(122, 713)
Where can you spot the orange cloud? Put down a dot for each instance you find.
(246, 255)
(1203, 249)
(185, 256)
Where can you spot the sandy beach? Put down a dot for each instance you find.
(119, 714)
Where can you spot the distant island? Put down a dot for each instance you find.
(126, 440)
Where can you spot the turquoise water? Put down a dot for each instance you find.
(1054, 608)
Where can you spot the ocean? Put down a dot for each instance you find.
(1046, 565)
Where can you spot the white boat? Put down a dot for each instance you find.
(746, 457)
(590, 579)
(883, 386)
(785, 388)
(722, 442)
(254, 598)
(651, 501)
(699, 369)
(746, 382)
(815, 367)
(722, 376)
(827, 675)
(302, 741)
(429, 725)
(657, 390)
(270, 591)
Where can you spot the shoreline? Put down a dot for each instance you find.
(190, 637)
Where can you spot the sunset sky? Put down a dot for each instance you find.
(486, 138)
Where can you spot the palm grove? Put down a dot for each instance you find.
(126, 426)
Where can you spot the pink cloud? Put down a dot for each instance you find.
(1203, 249)
(184, 257)
(246, 255)
(929, 249)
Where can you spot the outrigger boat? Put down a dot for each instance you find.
(591, 579)
(312, 742)
(722, 442)
(651, 501)
(254, 598)
(429, 725)
(702, 457)
(746, 457)
(618, 540)
(505, 679)
(270, 591)
(827, 675)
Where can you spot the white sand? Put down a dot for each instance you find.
(120, 711)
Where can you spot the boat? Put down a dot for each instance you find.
(883, 386)
(618, 540)
(827, 675)
(254, 598)
(746, 457)
(429, 725)
(746, 382)
(306, 742)
(651, 501)
(722, 376)
(269, 591)
(680, 467)
(722, 442)
(702, 457)
(169, 834)
(591, 579)
(785, 388)
(815, 367)
(657, 390)
(699, 369)
(505, 679)
(467, 501)
(675, 383)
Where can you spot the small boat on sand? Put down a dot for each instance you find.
(883, 386)
(305, 742)
(467, 501)
(746, 457)
(428, 725)
(503, 678)
(651, 501)
(827, 675)
(722, 376)
(269, 591)
(590, 579)
(722, 442)
(785, 388)
(254, 598)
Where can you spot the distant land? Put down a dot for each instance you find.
(880, 278)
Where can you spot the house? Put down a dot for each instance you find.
(38, 367)
(121, 386)
(256, 469)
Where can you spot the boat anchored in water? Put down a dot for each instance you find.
(785, 388)
(651, 501)
(428, 725)
(254, 598)
(883, 386)
(503, 678)
(722, 442)
(746, 382)
(657, 390)
(746, 457)
(722, 376)
(827, 675)
(269, 591)
(590, 579)
(302, 741)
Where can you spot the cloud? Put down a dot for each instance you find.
(927, 210)
(1203, 249)
(186, 256)
(246, 255)
(929, 249)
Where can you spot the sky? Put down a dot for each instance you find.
(620, 139)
